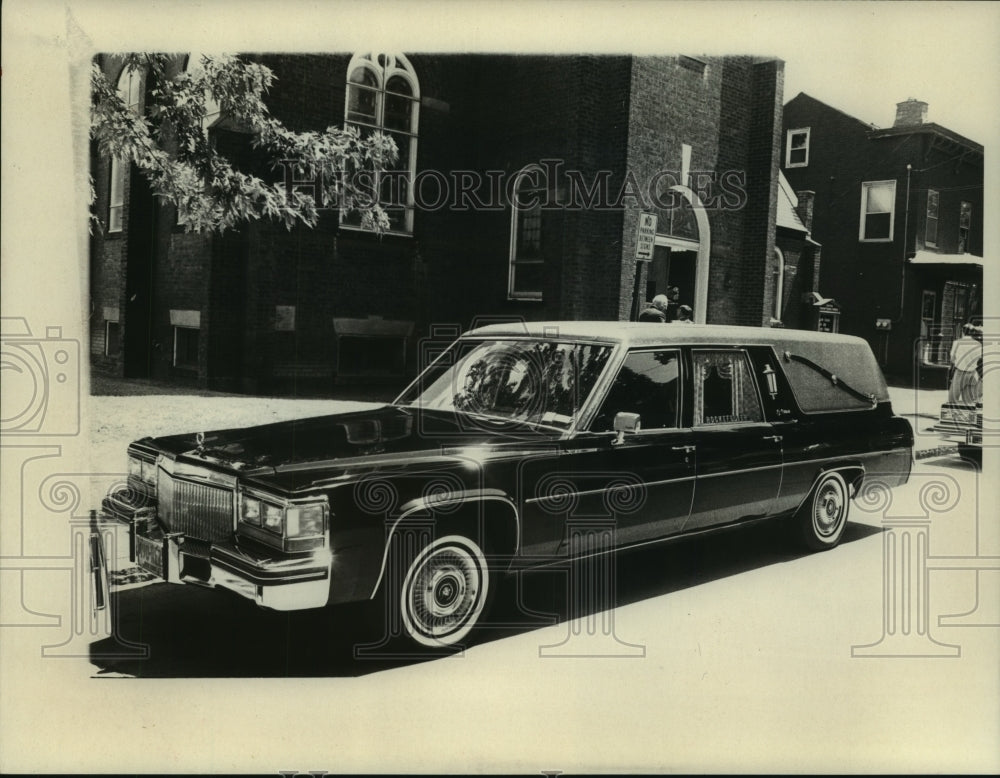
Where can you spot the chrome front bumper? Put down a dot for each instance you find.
(271, 580)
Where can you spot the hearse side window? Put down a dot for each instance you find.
(648, 384)
(724, 391)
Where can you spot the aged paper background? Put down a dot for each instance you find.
(56, 717)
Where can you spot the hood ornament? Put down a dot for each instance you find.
(199, 438)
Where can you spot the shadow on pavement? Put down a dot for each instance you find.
(193, 632)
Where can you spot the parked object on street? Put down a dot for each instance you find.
(961, 419)
(520, 445)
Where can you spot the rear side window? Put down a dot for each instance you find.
(648, 384)
(724, 389)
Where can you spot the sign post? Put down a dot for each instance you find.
(645, 236)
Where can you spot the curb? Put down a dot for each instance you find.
(935, 452)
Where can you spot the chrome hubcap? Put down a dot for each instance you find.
(444, 592)
(829, 509)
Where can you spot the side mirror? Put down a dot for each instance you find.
(626, 422)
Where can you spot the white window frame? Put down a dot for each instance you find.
(932, 194)
(515, 223)
(866, 186)
(964, 230)
(107, 337)
(116, 194)
(788, 147)
(385, 66)
(129, 89)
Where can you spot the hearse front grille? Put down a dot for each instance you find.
(200, 510)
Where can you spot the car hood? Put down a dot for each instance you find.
(324, 446)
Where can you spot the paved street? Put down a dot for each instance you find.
(723, 651)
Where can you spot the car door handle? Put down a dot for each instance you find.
(685, 449)
(775, 438)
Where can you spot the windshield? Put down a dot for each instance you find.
(527, 381)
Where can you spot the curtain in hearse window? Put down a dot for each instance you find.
(724, 391)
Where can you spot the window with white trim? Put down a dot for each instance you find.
(931, 228)
(878, 210)
(130, 91)
(527, 264)
(964, 225)
(383, 94)
(797, 148)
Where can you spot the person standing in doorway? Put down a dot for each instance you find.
(656, 311)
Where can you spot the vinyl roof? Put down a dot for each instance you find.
(644, 333)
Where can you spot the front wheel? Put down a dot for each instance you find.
(444, 591)
(823, 517)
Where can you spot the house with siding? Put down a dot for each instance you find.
(899, 213)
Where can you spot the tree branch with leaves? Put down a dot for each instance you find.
(169, 145)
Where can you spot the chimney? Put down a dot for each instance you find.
(807, 199)
(910, 113)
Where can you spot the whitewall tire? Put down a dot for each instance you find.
(824, 515)
(444, 592)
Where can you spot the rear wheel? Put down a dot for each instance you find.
(444, 592)
(823, 517)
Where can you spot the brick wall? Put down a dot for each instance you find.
(729, 114)
(591, 114)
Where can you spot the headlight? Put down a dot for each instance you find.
(292, 526)
(143, 470)
(260, 513)
(272, 517)
(251, 511)
(304, 521)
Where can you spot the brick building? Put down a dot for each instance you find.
(899, 212)
(583, 146)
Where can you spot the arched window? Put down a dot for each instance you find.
(383, 93)
(527, 263)
(213, 111)
(130, 91)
